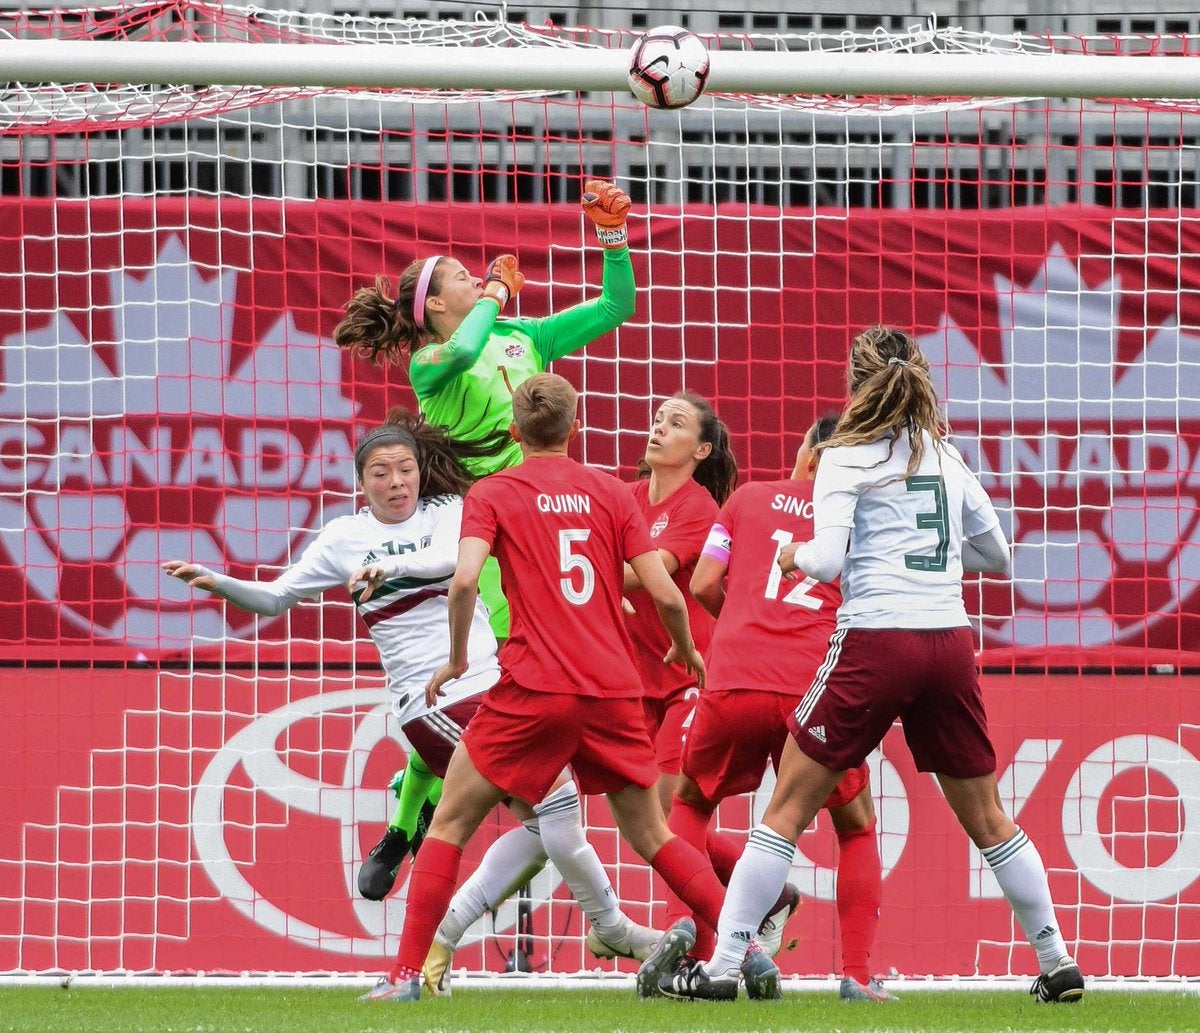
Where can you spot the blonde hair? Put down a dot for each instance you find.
(544, 409)
(891, 394)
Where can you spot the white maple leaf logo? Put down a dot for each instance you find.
(1094, 501)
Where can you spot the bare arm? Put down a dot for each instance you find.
(672, 611)
(633, 583)
(708, 584)
(472, 552)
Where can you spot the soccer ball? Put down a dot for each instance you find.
(668, 67)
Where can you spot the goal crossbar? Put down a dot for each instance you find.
(401, 66)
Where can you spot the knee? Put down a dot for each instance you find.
(987, 824)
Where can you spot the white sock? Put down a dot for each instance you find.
(510, 862)
(757, 881)
(563, 839)
(1022, 876)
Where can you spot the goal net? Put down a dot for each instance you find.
(191, 789)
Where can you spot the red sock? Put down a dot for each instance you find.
(690, 823)
(688, 872)
(724, 849)
(859, 888)
(430, 888)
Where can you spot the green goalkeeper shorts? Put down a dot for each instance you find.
(493, 598)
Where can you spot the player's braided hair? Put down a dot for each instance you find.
(438, 455)
(890, 394)
(380, 327)
(717, 472)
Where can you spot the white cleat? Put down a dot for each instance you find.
(636, 942)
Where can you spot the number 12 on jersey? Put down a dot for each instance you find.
(798, 596)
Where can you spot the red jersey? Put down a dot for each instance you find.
(679, 525)
(561, 533)
(772, 633)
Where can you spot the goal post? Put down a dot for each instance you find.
(194, 789)
(579, 69)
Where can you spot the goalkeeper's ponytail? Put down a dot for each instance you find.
(381, 327)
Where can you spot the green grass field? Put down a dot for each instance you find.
(96, 1009)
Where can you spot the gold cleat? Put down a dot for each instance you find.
(435, 973)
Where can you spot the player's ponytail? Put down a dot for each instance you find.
(383, 328)
(891, 394)
(717, 471)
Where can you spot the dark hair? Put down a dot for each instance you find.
(544, 409)
(438, 455)
(380, 327)
(717, 472)
(890, 394)
(823, 429)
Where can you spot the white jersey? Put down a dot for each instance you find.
(904, 565)
(408, 615)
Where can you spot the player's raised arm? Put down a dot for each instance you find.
(672, 611)
(265, 598)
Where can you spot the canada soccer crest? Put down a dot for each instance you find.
(1093, 462)
(142, 443)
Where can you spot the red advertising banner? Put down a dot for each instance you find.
(170, 390)
(161, 821)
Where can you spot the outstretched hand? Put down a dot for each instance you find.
(607, 205)
(192, 574)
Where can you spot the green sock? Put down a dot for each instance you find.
(413, 786)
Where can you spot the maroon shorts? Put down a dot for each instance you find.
(435, 735)
(521, 740)
(870, 677)
(667, 721)
(733, 736)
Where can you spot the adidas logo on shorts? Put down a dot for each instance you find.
(817, 732)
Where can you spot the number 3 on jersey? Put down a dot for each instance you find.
(569, 562)
(798, 596)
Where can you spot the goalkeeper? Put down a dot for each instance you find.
(465, 362)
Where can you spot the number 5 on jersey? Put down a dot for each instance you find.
(570, 562)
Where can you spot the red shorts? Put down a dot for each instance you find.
(435, 735)
(735, 733)
(871, 676)
(667, 721)
(521, 740)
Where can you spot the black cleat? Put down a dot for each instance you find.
(1062, 985)
(762, 977)
(689, 982)
(665, 957)
(377, 875)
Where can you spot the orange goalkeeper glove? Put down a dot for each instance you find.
(607, 205)
(503, 280)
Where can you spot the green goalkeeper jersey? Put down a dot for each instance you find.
(466, 384)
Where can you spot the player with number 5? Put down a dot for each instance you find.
(464, 364)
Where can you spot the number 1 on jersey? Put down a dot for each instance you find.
(798, 596)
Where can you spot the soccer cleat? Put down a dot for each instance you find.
(770, 933)
(386, 990)
(664, 959)
(1061, 985)
(689, 982)
(636, 942)
(377, 875)
(761, 976)
(853, 990)
(424, 820)
(435, 973)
